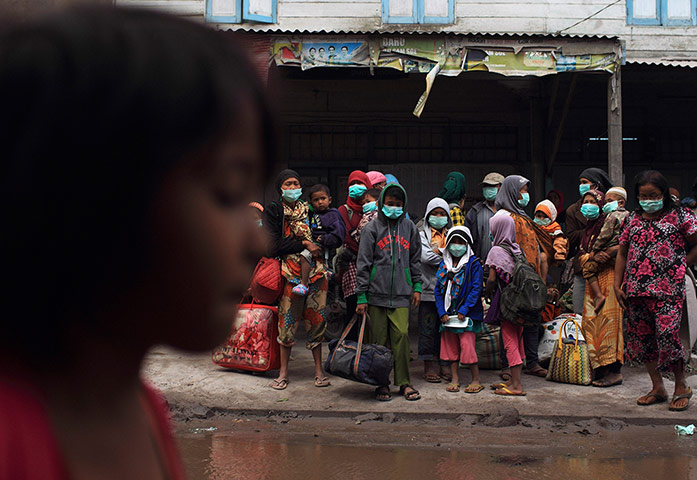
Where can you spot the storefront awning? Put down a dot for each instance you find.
(448, 54)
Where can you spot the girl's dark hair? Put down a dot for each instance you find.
(373, 192)
(97, 104)
(655, 178)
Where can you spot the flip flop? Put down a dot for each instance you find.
(432, 378)
(453, 388)
(506, 392)
(281, 384)
(675, 398)
(656, 399)
(322, 382)
(497, 386)
(474, 388)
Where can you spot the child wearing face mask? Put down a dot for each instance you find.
(608, 237)
(370, 211)
(458, 294)
(554, 243)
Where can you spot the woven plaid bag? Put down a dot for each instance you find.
(570, 362)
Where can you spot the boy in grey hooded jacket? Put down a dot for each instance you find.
(389, 281)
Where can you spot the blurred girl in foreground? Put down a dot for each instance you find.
(132, 143)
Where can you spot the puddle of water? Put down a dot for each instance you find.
(270, 457)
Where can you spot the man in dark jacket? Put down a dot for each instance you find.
(477, 219)
(389, 281)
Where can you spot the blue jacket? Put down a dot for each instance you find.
(469, 294)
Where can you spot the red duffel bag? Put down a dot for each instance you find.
(267, 281)
(252, 344)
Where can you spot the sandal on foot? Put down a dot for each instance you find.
(675, 398)
(382, 394)
(506, 392)
(537, 372)
(432, 378)
(603, 383)
(300, 290)
(322, 382)
(497, 386)
(412, 395)
(453, 388)
(474, 388)
(279, 384)
(651, 399)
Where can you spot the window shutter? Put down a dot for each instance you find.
(400, 11)
(438, 11)
(678, 12)
(643, 12)
(224, 11)
(259, 10)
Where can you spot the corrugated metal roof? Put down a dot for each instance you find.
(276, 29)
(665, 62)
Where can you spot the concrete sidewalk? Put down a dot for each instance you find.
(192, 383)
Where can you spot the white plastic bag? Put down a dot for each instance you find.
(551, 334)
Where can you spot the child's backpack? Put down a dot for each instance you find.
(523, 300)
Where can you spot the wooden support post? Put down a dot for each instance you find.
(537, 151)
(614, 127)
(562, 121)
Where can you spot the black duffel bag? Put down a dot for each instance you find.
(369, 364)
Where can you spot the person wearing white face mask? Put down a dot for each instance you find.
(477, 218)
(432, 231)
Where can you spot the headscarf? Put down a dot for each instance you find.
(376, 177)
(548, 208)
(389, 178)
(285, 175)
(463, 233)
(454, 188)
(502, 228)
(509, 194)
(360, 176)
(593, 226)
(597, 176)
(560, 207)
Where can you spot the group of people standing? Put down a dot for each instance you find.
(623, 271)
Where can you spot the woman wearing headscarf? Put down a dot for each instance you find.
(590, 179)
(377, 179)
(512, 198)
(287, 222)
(602, 330)
(351, 213)
(453, 192)
(499, 271)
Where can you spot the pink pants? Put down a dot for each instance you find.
(513, 342)
(454, 346)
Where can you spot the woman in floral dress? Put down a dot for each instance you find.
(658, 242)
